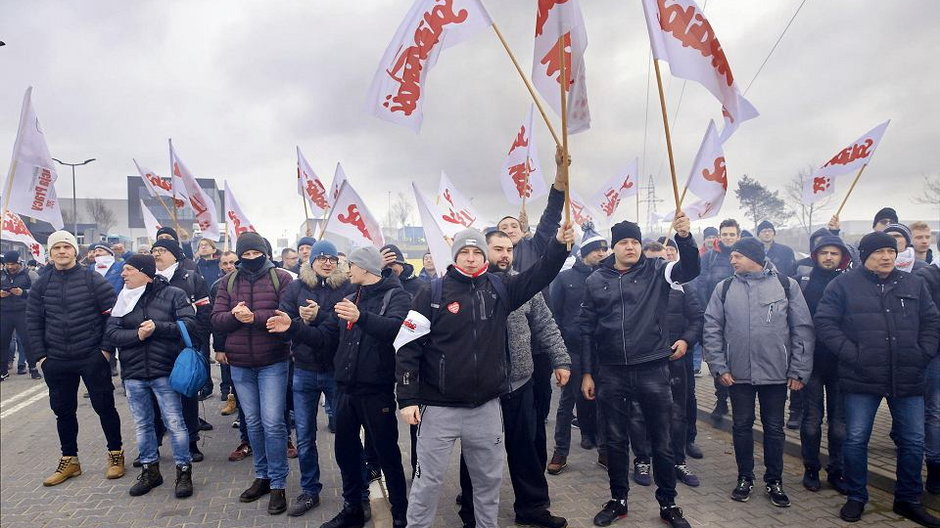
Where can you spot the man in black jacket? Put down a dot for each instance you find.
(364, 324)
(66, 314)
(394, 261)
(931, 275)
(621, 324)
(884, 328)
(15, 282)
(143, 326)
(781, 255)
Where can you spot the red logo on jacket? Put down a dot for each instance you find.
(453, 307)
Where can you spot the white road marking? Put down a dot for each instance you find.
(26, 393)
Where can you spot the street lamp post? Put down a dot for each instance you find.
(74, 201)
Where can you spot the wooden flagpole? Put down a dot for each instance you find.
(857, 176)
(6, 194)
(563, 85)
(225, 240)
(672, 161)
(306, 216)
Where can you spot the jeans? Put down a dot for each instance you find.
(307, 387)
(262, 393)
(822, 394)
(190, 411)
(678, 382)
(11, 322)
(696, 357)
(570, 398)
(139, 400)
(649, 385)
(907, 427)
(932, 413)
(773, 399)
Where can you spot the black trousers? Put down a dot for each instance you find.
(376, 413)
(527, 475)
(822, 397)
(542, 380)
(62, 377)
(678, 382)
(772, 398)
(10, 321)
(691, 408)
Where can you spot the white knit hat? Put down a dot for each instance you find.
(62, 236)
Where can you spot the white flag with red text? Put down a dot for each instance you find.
(581, 212)
(31, 180)
(309, 185)
(203, 206)
(14, 230)
(621, 185)
(521, 175)
(708, 179)
(150, 221)
(682, 36)
(339, 178)
(157, 186)
(438, 245)
(849, 160)
(555, 19)
(236, 222)
(457, 212)
(397, 90)
(350, 218)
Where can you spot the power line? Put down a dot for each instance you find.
(767, 58)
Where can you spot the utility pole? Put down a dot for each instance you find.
(650, 201)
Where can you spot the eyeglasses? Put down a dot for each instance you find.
(323, 260)
(157, 251)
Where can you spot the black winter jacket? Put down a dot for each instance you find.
(409, 281)
(23, 280)
(567, 293)
(195, 287)
(685, 319)
(715, 267)
(931, 276)
(66, 313)
(783, 258)
(623, 315)
(884, 332)
(218, 336)
(154, 357)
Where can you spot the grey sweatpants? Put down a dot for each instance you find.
(480, 431)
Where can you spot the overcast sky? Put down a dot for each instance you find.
(238, 84)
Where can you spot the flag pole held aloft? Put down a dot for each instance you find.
(672, 161)
(851, 188)
(563, 85)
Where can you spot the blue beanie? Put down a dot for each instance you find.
(323, 248)
(306, 241)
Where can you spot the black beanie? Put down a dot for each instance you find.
(873, 242)
(625, 229)
(168, 231)
(170, 245)
(751, 248)
(765, 225)
(144, 263)
(886, 212)
(250, 240)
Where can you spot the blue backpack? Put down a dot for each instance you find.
(191, 370)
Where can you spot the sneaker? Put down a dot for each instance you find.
(277, 502)
(811, 480)
(303, 504)
(575, 423)
(366, 510)
(115, 465)
(588, 443)
(68, 467)
(542, 519)
(793, 422)
(241, 452)
(685, 476)
(375, 472)
(349, 517)
(4, 376)
(693, 450)
(742, 492)
(291, 450)
(557, 464)
(148, 479)
(641, 473)
(932, 483)
(851, 511)
(34, 374)
(614, 510)
(602, 459)
(184, 481)
(698, 373)
(776, 494)
(672, 515)
(205, 426)
(236, 424)
(204, 395)
(259, 488)
(916, 512)
(230, 407)
(21, 369)
(837, 480)
(195, 453)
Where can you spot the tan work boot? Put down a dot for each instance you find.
(230, 406)
(69, 467)
(115, 464)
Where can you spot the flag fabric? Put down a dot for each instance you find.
(849, 160)
(30, 185)
(15, 230)
(150, 221)
(457, 211)
(350, 218)
(621, 185)
(555, 19)
(236, 222)
(682, 36)
(521, 175)
(157, 186)
(397, 90)
(309, 185)
(438, 245)
(203, 206)
(580, 211)
(708, 179)
(339, 178)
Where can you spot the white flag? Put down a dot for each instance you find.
(847, 161)
(555, 19)
(236, 222)
(396, 94)
(438, 246)
(458, 211)
(30, 184)
(203, 206)
(350, 218)
(15, 230)
(521, 175)
(708, 179)
(581, 212)
(339, 178)
(150, 221)
(623, 184)
(309, 185)
(155, 185)
(682, 36)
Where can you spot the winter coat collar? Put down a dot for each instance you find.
(335, 280)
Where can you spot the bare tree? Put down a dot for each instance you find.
(101, 215)
(930, 195)
(802, 211)
(67, 217)
(401, 210)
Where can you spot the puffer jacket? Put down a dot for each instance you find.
(783, 258)
(250, 344)
(758, 334)
(326, 292)
(66, 313)
(622, 318)
(685, 318)
(715, 267)
(931, 276)
(154, 357)
(566, 295)
(197, 291)
(884, 331)
(24, 280)
(531, 326)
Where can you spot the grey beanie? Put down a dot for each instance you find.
(367, 258)
(468, 237)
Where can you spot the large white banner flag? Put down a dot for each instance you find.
(621, 185)
(15, 230)
(203, 206)
(521, 175)
(157, 186)
(581, 212)
(30, 185)
(708, 179)
(438, 246)
(350, 218)
(849, 160)
(309, 185)
(150, 221)
(339, 178)
(682, 36)
(236, 222)
(555, 19)
(458, 212)
(396, 94)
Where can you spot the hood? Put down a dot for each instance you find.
(828, 239)
(407, 272)
(821, 232)
(335, 280)
(379, 288)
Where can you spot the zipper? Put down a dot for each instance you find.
(473, 326)
(623, 319)
(441, 372)
(770, 312)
